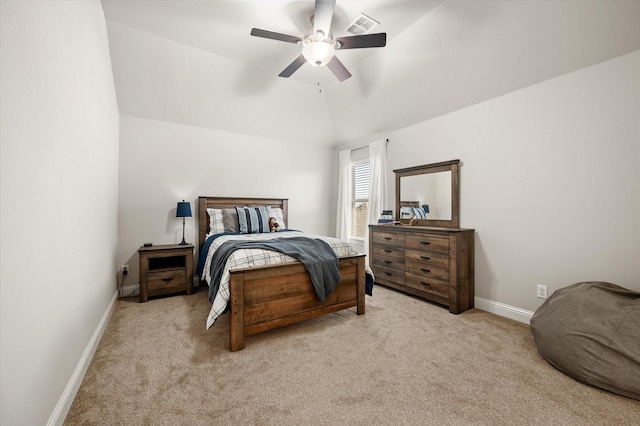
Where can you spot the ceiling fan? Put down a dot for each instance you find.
(319, 47)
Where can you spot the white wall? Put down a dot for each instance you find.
(59, 169)
(168, 81)
(162, 163)
(549, 179)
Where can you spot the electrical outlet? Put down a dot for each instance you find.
(125, 269)
(542, 291)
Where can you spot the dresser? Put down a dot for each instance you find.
(432, 263)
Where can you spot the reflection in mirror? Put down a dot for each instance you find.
(432, 190)
(428, 195)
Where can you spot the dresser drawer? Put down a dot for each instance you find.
(382, 251)
(165, 282)
(384, 275)
(428, 242)
(418, 259)
(389, 262)
(431, 283)
(430, 272)
(388, 238)
(388, 251)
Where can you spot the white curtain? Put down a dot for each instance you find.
(343, 219)
(377, 186)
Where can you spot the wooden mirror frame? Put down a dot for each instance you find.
(444, 166)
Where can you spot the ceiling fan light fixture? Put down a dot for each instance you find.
(318, 53)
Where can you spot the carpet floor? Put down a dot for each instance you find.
(405, 362)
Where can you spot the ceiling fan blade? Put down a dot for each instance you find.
(323, 15)
(274, 36)
(293, 67)
(338, 69)
(360, 41)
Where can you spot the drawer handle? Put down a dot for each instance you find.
(387, 251)
(388, 262)
(167, 279)
(388, 273)
(423, 283)
(425, 270)
(425, 258)
(426, 243)
(387, 238)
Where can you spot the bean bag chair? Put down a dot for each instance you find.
(591, 332)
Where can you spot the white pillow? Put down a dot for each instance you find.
(276, 212)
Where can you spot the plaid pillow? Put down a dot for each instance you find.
(216, 225)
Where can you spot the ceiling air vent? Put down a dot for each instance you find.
(362, 25)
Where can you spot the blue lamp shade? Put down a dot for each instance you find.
(184, 209)
(425, 207)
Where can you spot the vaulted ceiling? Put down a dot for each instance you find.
(195, 63)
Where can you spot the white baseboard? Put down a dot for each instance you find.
(134, 289)
(130, 290)
(66, 399)
(520, 315)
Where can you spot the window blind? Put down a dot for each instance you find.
(360, 177)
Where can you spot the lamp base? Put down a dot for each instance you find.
(183, 241)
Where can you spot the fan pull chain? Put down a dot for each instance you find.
(319, 87)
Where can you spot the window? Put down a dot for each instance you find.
(360, 178)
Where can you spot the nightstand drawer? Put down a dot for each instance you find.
(166, 282)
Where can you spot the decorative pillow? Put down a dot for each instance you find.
(230, 220)
(253, 220)
(407, 212)
(419, 213)
(216, 225)
(278, 215)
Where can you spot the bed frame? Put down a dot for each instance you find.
(267, 297)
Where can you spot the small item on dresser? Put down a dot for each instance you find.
(386, 216)
(148, 244)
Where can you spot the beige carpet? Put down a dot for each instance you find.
(404, 362)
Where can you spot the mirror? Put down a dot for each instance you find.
(430, 193)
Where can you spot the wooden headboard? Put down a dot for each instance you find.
(205, 203)
(409, 204)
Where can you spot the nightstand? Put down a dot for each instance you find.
(165, 269)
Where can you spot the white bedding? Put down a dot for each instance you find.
(244, 258)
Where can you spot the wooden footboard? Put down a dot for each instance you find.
(264, 298)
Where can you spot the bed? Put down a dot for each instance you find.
(262, 298)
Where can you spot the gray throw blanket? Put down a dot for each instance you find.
(316, 255)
